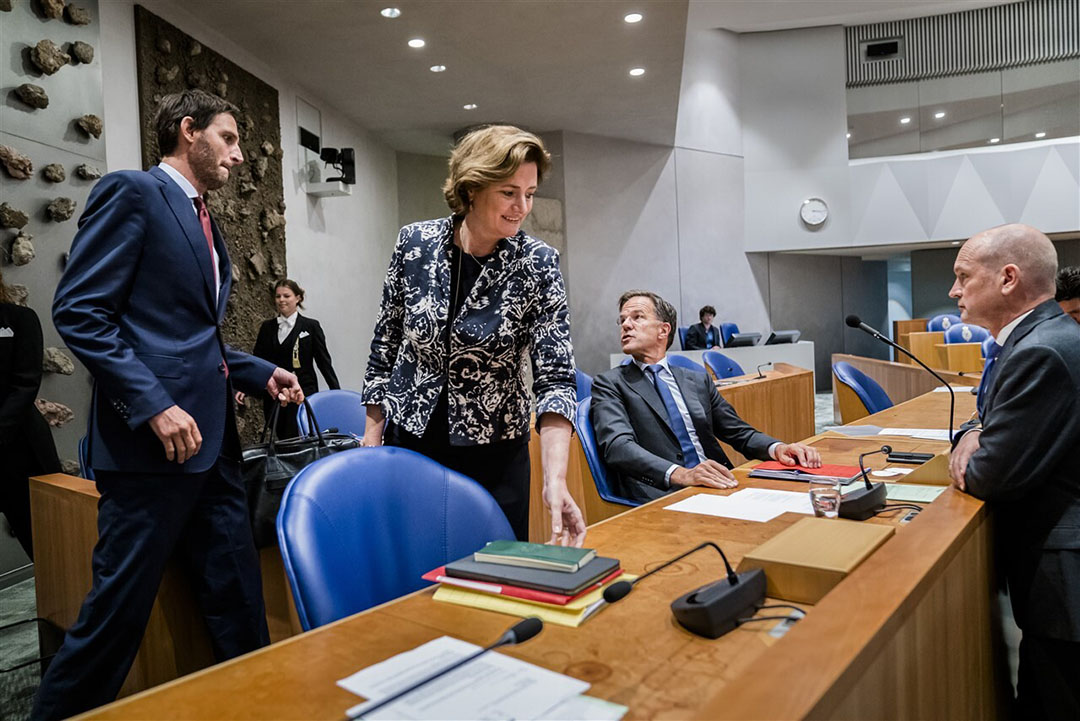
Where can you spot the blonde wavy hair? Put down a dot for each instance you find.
(491, 155)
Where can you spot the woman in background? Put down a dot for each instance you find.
(296, 343)
(465, 298)
(26, 443)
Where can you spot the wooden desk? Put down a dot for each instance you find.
(64, 518)
(900, 333)
(900, 381)
(906, 635)
(924, 346)
(781, 404)
(960, 357)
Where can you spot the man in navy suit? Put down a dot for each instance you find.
(141, 304)
(1020, 456)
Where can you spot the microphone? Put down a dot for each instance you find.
(759, 373)
(853, 321)
(520, 632)
(865, 502)
(713, 609)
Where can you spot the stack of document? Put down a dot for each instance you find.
(493, 686)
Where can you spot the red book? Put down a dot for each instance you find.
(777, 470)
(439, 576)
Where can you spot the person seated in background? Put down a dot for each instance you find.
(1068, 291)
(703, 335)
(657, 425)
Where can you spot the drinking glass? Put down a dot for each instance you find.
(825, 498)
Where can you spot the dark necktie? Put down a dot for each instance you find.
(675, 419)
(987, 375)
(208, 231)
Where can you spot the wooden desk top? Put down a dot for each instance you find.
(633, 653)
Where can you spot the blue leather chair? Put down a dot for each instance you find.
(360, 527)
(584, 384)
(966, 333)
(866, 388)
(726, 331)
(584, 427)
(684, 362)
(84, 458)
(682, 336)
(943, 321)
(721, 365)
(344, 410)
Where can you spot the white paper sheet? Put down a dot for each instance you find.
(913, 492)
(956, 389)
(927, 434)
(585, 708)
(493, 686)
(749, 504)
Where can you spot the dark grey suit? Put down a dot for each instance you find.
(1027, 467)
(636, 441)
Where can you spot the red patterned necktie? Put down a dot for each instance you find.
(204, 220)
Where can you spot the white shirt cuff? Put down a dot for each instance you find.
(772, 449)
(667, 476)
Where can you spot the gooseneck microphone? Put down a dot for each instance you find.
(853, 321)
(865, 502)
(520, 632)
(715, 608)
(759, 373)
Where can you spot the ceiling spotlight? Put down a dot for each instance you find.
(637, 72)
(939, 115)
(905, 120)
(390, 13)
(995, 140)
(633, 17)
(417, 43)
(849, 134)
(438, 68)
(1040, 134)
(469, 106)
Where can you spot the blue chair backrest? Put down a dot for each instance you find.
(987, 343)
(966, 333)
(344, 410)
(721, 365)
(360, 527)
(584, 384)
(583, 424)
(943, 321)
(84, 458)
(866, 388)
(684, 362)
(682, 336)
(727, 330)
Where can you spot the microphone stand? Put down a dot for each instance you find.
(865, 502)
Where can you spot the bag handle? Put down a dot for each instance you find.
(271, 425)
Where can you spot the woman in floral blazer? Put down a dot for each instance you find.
(466, 299)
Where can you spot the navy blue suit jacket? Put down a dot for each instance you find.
(137, 306)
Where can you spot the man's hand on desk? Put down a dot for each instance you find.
(798, 454)
(961, 454)
(709, 473)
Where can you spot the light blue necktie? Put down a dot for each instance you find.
(675, 419)
(987, 375)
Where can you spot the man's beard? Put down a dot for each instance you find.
(204, 165)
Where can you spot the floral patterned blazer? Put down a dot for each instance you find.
(517, 305)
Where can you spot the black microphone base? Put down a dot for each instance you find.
(862, 504)
(712, 610)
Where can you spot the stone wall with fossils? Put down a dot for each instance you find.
(51, 152)
(250, 208)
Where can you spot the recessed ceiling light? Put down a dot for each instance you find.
(417, 43)
(939, 114)
(633, 17)
(469, 106)
(905, 120)
(390, 13)
(438, 68)
(849, 135)
(1040, 134)
(637, 72)
(995, 140)
(956, 242)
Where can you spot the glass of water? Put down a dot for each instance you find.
(825, 498)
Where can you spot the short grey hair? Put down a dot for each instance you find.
(664, 311)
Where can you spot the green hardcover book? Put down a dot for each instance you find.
(534, 555)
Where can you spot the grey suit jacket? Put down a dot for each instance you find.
(1027, 467)
(636, 440)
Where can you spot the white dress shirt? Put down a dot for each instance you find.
(1004, 333)
(285, 326)
(192, 194)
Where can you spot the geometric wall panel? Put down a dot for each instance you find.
(893, 219)
(1054, 204)
(1010, 177)
(968, 197)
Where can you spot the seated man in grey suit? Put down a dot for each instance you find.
(1021, 454)
(656, 424)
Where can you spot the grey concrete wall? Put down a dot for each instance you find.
(419, 187)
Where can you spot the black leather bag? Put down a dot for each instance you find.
(269, 466)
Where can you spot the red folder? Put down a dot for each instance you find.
(439, 576)
(826, 469)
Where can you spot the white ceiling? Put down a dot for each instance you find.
(542, 64)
